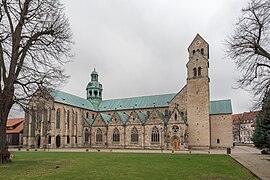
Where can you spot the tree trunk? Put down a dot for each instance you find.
(4, 154)
(6, 103)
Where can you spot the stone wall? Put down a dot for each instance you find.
(221, 130)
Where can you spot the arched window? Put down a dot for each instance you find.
(67, 119)
(199, 71)
(86, 135)
(50, 116)
(58, 118)
(76, 118)
(202, 52)
(175, 116)
(49, 139)
(193, 51)
(93, 116)
(99, 136)
(68, 139)
(134, 135)
(87, 115)
(116, 135)
(155, 135)
(194, 72)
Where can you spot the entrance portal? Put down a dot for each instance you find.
(58, 141)
(175, 143)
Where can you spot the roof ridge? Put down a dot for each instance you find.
(139, 96)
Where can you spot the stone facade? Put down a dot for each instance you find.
(221, 130)
(172, 121)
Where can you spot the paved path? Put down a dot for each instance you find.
(252, 159)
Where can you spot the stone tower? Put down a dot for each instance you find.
(94, 89)
(198, 94)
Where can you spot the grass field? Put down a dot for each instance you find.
(86, 165)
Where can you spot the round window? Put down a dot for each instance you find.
(175, 128)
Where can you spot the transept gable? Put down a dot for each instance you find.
(176, 117)
(116, 119)
(154, 118)
(134, 119)
(101, 119)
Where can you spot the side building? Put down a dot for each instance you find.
(244, 125)
(187, 119)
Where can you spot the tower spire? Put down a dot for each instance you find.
(94, 88)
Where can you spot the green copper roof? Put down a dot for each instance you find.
(136, 102)
(221, 107)
(141, 116)
(106, 117)
(89, 121)
(69, 99)
(216, 107)
(123, 116)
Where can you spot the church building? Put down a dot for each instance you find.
(183, 120)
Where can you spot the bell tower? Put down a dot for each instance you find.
(198, 94)
(94, 88)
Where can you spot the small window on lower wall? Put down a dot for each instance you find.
(218, 141)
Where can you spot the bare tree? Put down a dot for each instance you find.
(249, 47)
(34, 35)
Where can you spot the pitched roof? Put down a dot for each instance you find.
(14, 125)
(221, 107)
(216, 107)
(69, 99)
(106, 117)
(123, 116)
(136, 102)
(12, 122)
(89, 121)
(250, 115)
(141, 116)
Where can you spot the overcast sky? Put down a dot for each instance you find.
(139, 47)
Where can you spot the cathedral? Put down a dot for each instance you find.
(183, 120)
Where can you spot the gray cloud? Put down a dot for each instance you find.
(139, 47)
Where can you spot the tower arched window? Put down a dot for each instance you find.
(202, 51)
(99, 136)
(87, 115)
(194, 72)
(155, 135)
(199, 71)
(67, 119)
(193, 51)
(58, 118)
(134, 135)
(116, 135)
(86, 135)
(175, 116)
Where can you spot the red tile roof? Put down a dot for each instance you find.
(12, 122)
(15, 125)
(250, 115)
(18, 129)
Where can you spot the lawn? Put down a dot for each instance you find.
(98, 165)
